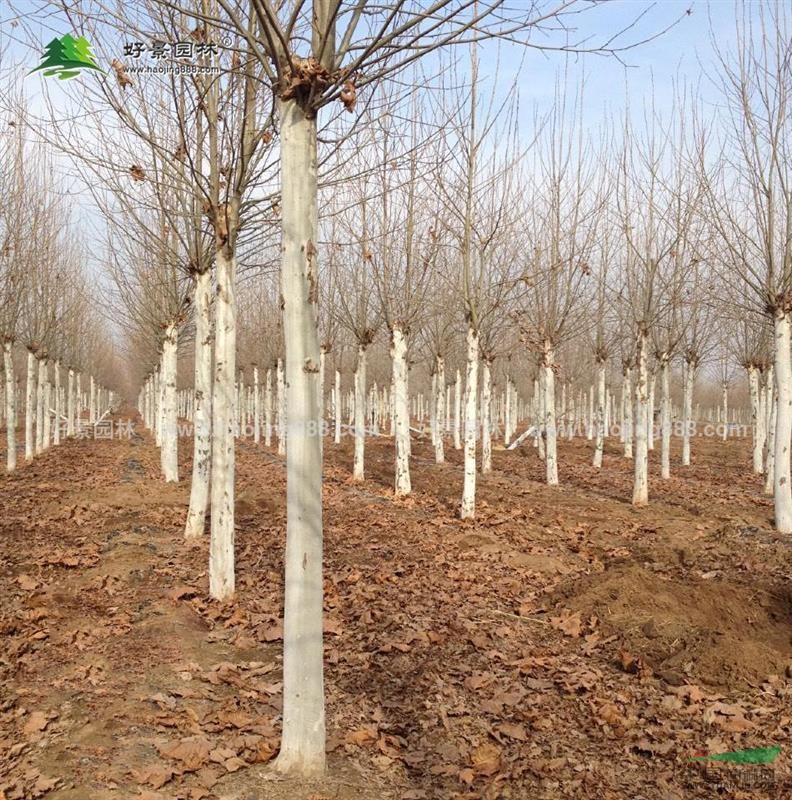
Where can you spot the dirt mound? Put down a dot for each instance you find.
(720, 632)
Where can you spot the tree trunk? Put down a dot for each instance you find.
(486, 414)
(687, 409)
(338, 405)
(11, 406)
(600, 445)
(42, 379)
(202, 407)
(440, 397)
(641, 481)
(221, 540)
(47, 392)
(56, 434)
(756, 420)
(281, 402)
(551, 431)
(358, 468)
(782, 490)
(770, 394)
(468, 508)
(256, 407)
(457, 411)
(268, 408)
(30, 390)
(627, 418)
(401, 411)
(169, 452)
(650, 426)
(303, 740)
(726, 412)
(665, 420)
(70, 404)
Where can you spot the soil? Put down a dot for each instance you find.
(561, 645)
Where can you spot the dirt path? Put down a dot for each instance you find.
(562, 645)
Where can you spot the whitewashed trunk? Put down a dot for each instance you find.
(650, 426)
(782, 489)
(202, 407)
(11, 405)
(358, 468)
(550, 423)
(507, 423)
(30, 393)
(458, 411)
(338, 403)
(665, 420)
(756, 419)
(256, 406)
(40, 382)
(56, 434)
(725, 412)
(401, 411)
(280, 390)
(627, 418)
(687, 409)
(486, 416)
(600, 443)
(169, 449)
(222, 579)
(268, 408)
(440, 398)
(641, 480)
(468, 507)
(303, 740)
(47, 438)
(770, 394)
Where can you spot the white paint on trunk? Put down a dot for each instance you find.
(782, 489)
(440, 398)
(770, 394)
(41, 380)
(550, 423)
(641, 481)
(10, 404)
(202, 407)
(401, 411)
(337, 415)
(303, 740)
(222, 580)
(30, 390)
(280, 390)
(665, 419)
(358, 468)
(169, 452)
(486, 415)
(458, 411)
(600, 444)
(268, 408)
(468, 507)
(756, 419)
(56, 434)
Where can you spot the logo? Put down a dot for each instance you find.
(759, 755)
(65, 57)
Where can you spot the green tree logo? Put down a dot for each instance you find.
(65, 57)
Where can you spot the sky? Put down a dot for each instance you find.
(648, 72)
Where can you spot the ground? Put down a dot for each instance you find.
(562, 645)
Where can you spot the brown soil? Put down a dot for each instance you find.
(562, 645)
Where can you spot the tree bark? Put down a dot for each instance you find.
(42, 377)
(468, 508)
(222, 581)
(756, 419)
(782, 490)
(30, 389)
(268, 408)
(458, 411)
(303, 740)
(56, 434)
(169, 451)
(641, 481)
(338, 406)
(11, 406)
(687, 409)
(401, 411)
(486, 415)
(665, 420)
(550, 424)
(359, 468)
(440, 412)
(281, 403)
(202, 407)
(600, 444)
